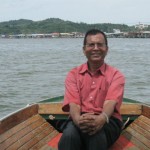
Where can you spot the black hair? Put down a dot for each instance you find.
(94, 32)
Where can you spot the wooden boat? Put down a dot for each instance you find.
(37, 126)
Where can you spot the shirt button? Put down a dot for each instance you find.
(93, 82)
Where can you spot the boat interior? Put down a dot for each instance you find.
(37, 127)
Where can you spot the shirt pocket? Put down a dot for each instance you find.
(101, 93)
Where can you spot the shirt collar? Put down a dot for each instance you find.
(103, 68)
(84, 68)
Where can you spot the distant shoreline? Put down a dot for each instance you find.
(140, 34)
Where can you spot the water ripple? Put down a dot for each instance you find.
(35, 69)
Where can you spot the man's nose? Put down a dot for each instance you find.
(96, 46)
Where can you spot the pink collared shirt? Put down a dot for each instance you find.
(90, 91)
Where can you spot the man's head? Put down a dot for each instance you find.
(94, 32)
(95, 46)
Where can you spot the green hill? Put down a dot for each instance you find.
(50, 25)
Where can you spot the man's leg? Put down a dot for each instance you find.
(103, 139)
(70, 139)
(97, 141)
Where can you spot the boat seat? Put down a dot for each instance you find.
(138, 133)
(31, 132)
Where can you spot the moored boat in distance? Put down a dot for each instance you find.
(38, 126)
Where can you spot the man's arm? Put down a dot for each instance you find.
(75, 113)
(108, 108)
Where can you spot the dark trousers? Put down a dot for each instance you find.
(74, 139)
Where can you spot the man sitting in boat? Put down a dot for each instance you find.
(93, 96)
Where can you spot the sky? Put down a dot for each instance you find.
(129, 12)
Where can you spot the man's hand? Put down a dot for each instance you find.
(91, 123)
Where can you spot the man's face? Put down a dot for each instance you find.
(95, 49)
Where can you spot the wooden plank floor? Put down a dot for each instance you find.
(139, 132)
(31, 134)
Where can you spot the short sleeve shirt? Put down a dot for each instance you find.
(91, 90)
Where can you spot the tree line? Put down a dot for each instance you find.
(52, 25)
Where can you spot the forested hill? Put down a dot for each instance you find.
(23, 26)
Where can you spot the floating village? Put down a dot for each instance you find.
(117, 33)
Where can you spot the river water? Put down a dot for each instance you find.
(34, 69)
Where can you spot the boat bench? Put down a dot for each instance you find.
(136, 136)
(25, 130)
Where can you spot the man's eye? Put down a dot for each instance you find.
(92, 45)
